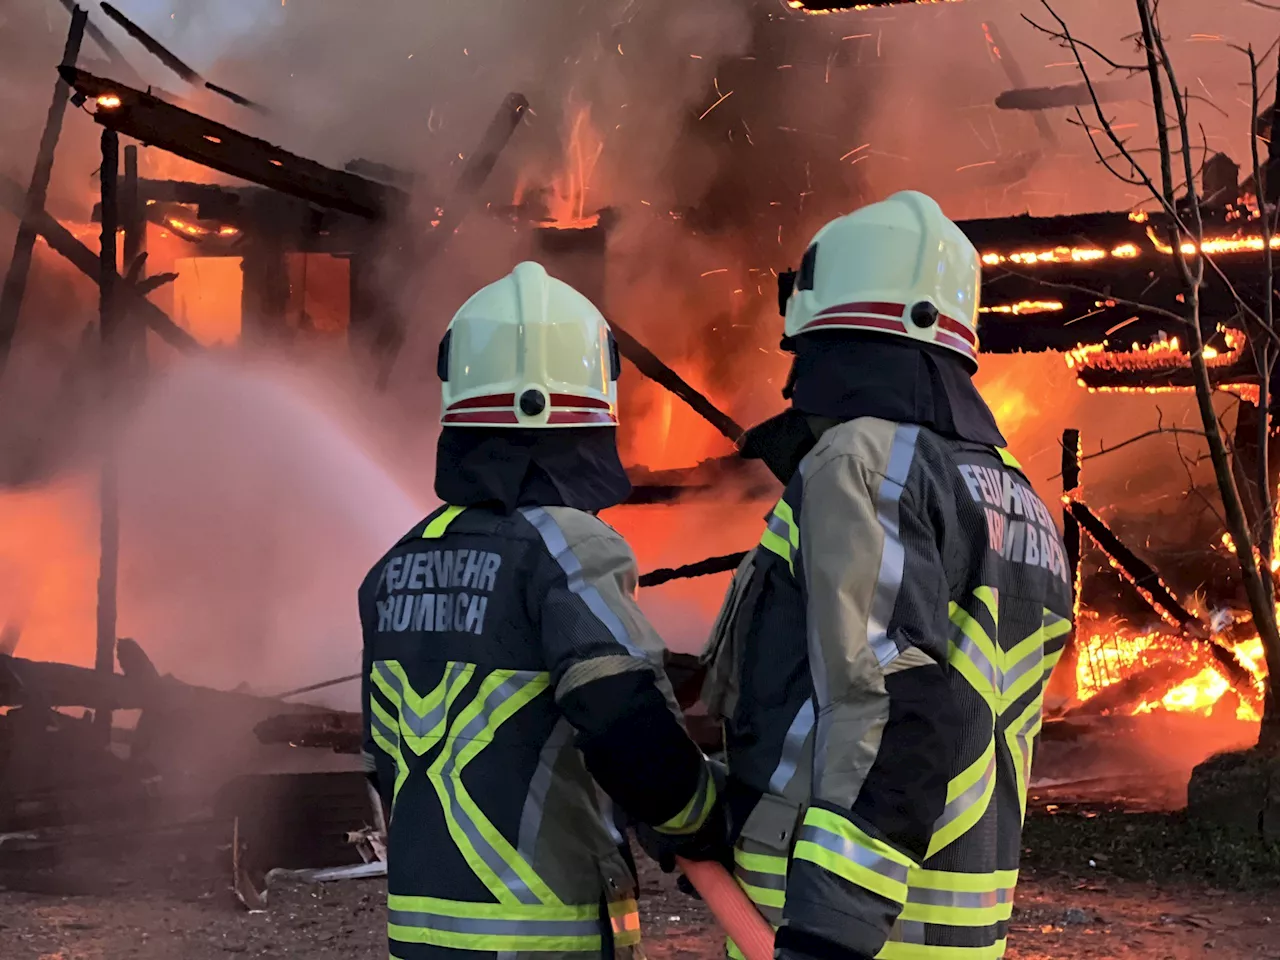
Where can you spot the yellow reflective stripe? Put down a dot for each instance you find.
(412, 729)
(435, 528)
(775, 544)
(957, 916)
(782, 518)
(763, 896)
(987, 596)
(841, 847)
(509, 706)
(761, 862)
(695, 812)
(784, 513)
(895, 950)
(977, 633)
(1008, 458)
(968, 796)
(468, 910)
(951, 882)
(494, 942)
(850, 832)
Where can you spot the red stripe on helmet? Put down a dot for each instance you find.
(895, 310)
(569, 400)
(493, 400)
(582, 417)
(950, 340)
(481, 417)
(958, 328)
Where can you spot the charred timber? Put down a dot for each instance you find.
(1136, 570)
(62, 242)
(200, 140)
(1067, 95)
(170, 59)
(45, 684)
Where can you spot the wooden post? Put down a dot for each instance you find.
(134, 221)
(1071, 462)
(108, 499)
(15, 281)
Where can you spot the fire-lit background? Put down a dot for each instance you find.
(260, 481)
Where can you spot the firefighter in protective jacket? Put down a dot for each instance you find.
(880, 661)
(512, 688)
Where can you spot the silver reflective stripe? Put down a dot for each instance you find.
(769, 881)
(792, 747)
(945, 936)
(539, 784)
(376, 722)
(418, 724)
(553, 538)
(782, 530)
(1032, 661)
(966, 645)
(965, 801)
(494, 927)
(893, 558)
(1024, 742)
(968, 901)
(448, 780)
(855, 853)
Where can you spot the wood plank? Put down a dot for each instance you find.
(153, 121)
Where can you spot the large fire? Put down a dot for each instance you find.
(1167, 673)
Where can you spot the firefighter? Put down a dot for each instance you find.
(512, 688)
(880, 660)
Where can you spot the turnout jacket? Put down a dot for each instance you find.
(879, 666)
(511, 686)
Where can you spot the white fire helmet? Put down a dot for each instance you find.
(898, 267)
(529, 351)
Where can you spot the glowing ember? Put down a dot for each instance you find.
(190, 229)
(1024, 307)
(108, 101)
(1216, 245)
(1060, 255)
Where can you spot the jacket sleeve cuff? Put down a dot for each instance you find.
(844, 886)
(690, 819)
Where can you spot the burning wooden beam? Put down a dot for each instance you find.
(1135, 570)
(170, 60)
(1001, 53)
(1066, 95)
(15, 281)
(62, 242)
(153, 121)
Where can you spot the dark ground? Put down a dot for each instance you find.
(163, 904)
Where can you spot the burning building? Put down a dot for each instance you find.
(669, 159)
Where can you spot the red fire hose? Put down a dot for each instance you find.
(731, 908)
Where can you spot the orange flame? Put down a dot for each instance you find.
(1109, 654)
(567, 204)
